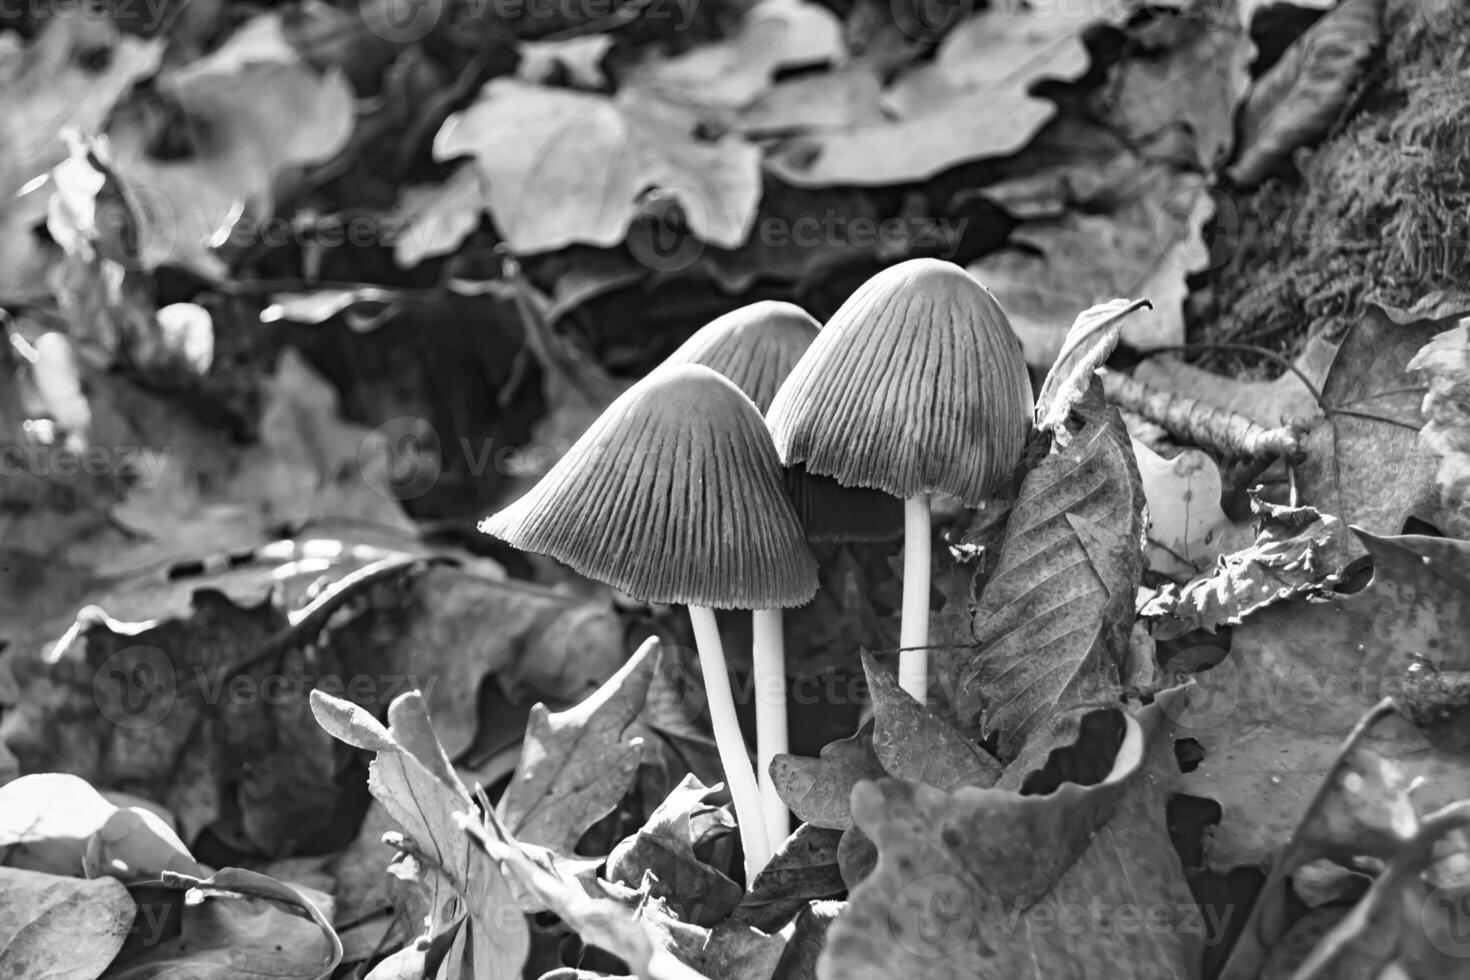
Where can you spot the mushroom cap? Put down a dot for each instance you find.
(915, 386)
(673, 495)
(755, 346)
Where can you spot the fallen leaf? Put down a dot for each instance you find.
(803, 868)
(732, 73)
(1272, 715)
(1089, 342)
(1052, 624)
(817, 790)
(1296, 552)
(564, 167)
(1445, 363)
(412, 778)
(992, 883)
(973, 101)
(61, 928)
(1183, 72)
(575, 764)
(664, 848)
(911, 742)
(599, 917)
(437, 218)
(1299, 99)
(247, 924)
(59, 824)
(239, 145)
(1145, 245)
(1187, 529)
(1365, 463)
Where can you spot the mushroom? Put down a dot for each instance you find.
(756, 346)
(916, 386)
(674, 495)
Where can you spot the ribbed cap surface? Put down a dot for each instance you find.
(673, 495)
(916, 385)
(755, 346)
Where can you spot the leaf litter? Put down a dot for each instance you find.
(1121, 646)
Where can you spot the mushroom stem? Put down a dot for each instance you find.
(768, 651)
(734, 758)
(913, 633)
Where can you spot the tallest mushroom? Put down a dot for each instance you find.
(916, 386)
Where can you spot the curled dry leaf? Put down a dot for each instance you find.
(1088, 344)
(1296, 551)
(1187, 529)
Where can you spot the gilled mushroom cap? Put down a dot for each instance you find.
(916, 385)
(673, 495)
(755, 346)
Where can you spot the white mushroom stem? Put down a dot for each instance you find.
(768, 651)
(913, 631)
(733, 757)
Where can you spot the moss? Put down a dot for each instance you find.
(1380, 209)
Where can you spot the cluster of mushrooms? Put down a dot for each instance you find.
(703, 483)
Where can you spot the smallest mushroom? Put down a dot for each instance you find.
(675, 495)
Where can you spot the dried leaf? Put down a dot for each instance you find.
(817, 790)
(1299, 99)
(1271, 716)
(1053, 622)
(60, 928)
(735, 71)
(973, 101)
(576, 764)
(1187, 529)
(803, 868)
(992, 883)
(412, 778)
(565, 167)
(1445, 363)
(248, 925)
(1088, 344)
(1365, 463)
(913, 743)
(1147, 242)
(664, 847)
(1296, 551)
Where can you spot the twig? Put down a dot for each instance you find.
(1204, 425)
